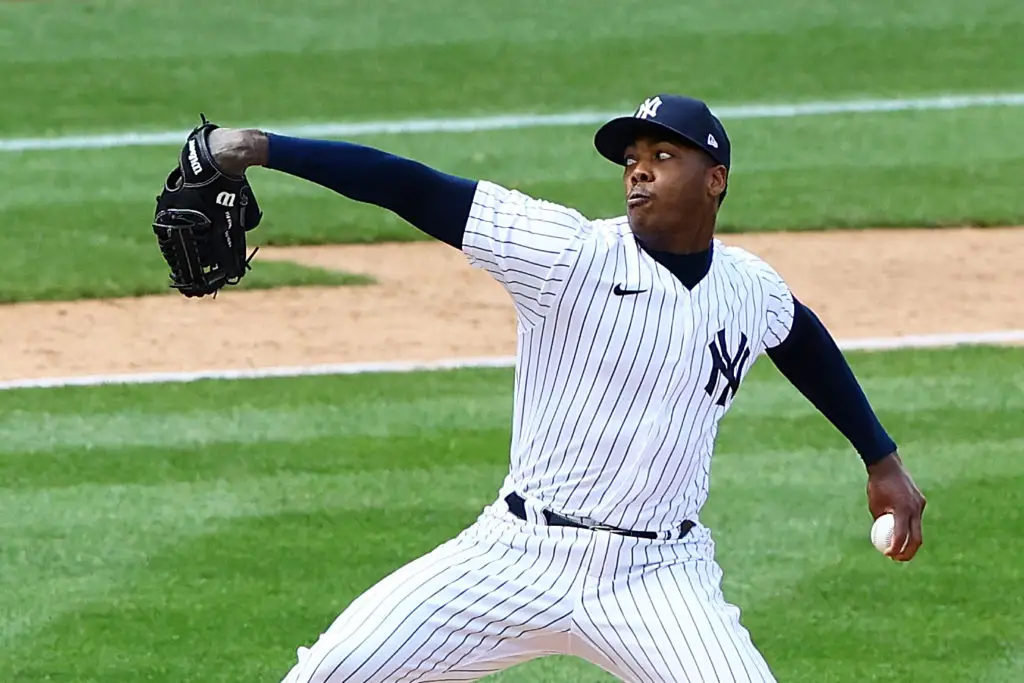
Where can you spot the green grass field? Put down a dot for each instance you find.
(76, 222)
(201, 532)
(146, 540)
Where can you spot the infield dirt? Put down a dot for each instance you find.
(430, 304)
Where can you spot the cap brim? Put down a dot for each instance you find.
(612, 139)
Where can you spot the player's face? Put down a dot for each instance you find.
(666, 183)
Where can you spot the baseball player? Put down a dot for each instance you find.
(634, 336)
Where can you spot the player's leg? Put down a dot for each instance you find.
(667, 620)
(476, 605)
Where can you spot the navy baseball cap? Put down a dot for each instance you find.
(678, 116)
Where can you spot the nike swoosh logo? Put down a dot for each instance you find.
(619, 291)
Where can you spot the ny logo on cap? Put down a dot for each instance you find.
(648, 108)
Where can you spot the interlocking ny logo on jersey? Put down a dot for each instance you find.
(649, 108)
(730, 367)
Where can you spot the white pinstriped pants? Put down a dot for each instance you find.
(505, 591)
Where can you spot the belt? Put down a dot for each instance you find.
(517, 506)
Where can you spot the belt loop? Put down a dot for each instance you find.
(683, 529)
(534, 511)
(680, 531)
(527, 509)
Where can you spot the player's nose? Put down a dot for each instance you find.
(641, 173)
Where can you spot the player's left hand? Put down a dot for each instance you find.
(890, 489)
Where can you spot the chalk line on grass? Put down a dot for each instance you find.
(518, 121)
(863, 344)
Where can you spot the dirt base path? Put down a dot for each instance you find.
(430, 304)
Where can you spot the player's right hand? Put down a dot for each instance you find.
(891, 489)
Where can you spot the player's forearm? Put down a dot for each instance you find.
(814, 364)
(436, 203)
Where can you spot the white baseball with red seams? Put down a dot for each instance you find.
(622, 376)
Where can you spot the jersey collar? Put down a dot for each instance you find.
(689, 269)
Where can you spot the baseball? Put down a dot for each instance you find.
(881, 531)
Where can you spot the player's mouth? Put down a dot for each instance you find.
(637, 197)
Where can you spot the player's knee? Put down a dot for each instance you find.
(333, 661)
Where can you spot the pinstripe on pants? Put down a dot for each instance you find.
(506, 591)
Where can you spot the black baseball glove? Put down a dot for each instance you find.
(201, 219)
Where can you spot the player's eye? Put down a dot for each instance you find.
(629, 160)
(664, 155)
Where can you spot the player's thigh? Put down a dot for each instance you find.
(672, 623)
(463, 611)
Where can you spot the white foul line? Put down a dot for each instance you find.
(483, 123)
(864, 344)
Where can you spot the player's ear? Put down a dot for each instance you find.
(717, 177)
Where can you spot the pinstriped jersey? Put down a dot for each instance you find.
(623, 373)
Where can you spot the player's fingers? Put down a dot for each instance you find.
(900, 534)
(914, 540)
(916, 533)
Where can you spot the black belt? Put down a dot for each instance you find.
(517, 506)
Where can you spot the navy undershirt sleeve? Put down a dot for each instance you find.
(810, 359)
(437, 203)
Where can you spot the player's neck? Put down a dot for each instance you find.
(687, 239)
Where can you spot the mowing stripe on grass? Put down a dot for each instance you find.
(114, 529)
(864, 344)
(474, 124)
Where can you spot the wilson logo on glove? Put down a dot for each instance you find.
(203, 244)
(193, 158)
